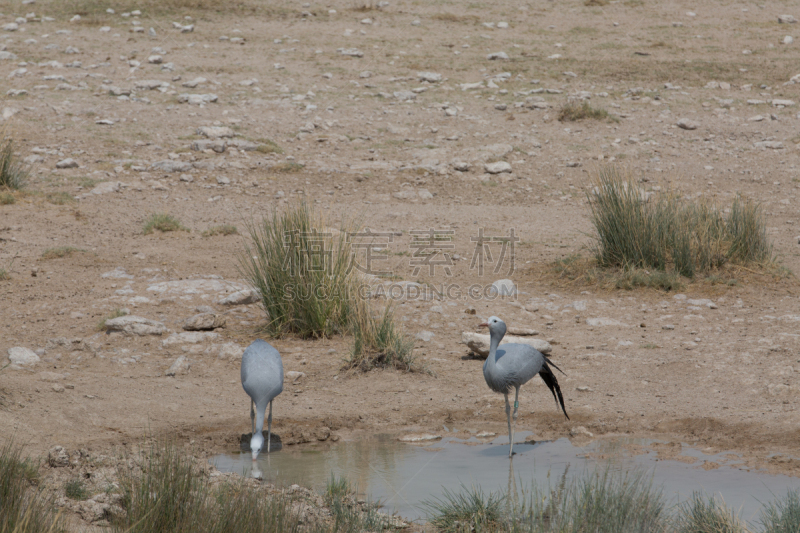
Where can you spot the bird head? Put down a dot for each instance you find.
(495, 325)
(256, 443)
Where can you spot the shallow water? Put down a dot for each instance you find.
(401, 476)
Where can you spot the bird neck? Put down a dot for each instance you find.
(260, 410)
(495, 338)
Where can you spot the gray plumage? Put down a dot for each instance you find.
(262, 380)
(511, 366)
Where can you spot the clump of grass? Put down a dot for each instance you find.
(572, 111)
(60, 252)
(24, 507)
(59, 198)
(225, 229)
(666, 232)
(783, 515)
(630, 279)
(13, 174)
(4, 274)
(303, 273)
(467, 510)
(268, 146)
(348, 516)
(6, 198)
(75, 489)
(379, 343)
(163, 223)
(707, 515)
(288, 167)
(116, 313)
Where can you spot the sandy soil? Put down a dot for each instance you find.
(724, 377)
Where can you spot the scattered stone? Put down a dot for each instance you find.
(107, 187)
(169, 165)
(11, 26)
(498, 167)
(580, 431)
(497, 55)
(503, 287)
(191, 84)
(20, 357)
(486, 434)
(244, 297)
(782, 103)
(67, 163)
(787, 39)
(430, 77)
(204, 322)
(405, 96)
(135, 325)
(603, 321)
(425, 336)
(419, 437)
(216, 145)
(688, 124)
(352, 52)
(197, 99)
(216, 132)
(150, 85)
(461, 166)
(194, 337)
(58, 457)
(786, 19)
(294, 376)
(772, 145)
(668, 327)
(180, 366)
(479, 343)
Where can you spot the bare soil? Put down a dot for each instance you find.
(723, 378)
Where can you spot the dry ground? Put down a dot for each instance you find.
(724, 378)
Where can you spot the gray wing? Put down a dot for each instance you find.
(518, 363)
(262, 372)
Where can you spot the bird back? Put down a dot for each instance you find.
(262, 372)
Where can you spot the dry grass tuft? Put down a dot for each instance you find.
(572, 111)
(163, 223)
(60, 252)
(224, 229)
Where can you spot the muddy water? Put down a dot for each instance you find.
(401, 476)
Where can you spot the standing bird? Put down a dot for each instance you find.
(262, 380)
(513, 365)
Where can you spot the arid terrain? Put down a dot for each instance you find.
(396, 114)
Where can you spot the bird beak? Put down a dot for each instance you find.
(484, 325)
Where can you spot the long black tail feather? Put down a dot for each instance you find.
(550, 380)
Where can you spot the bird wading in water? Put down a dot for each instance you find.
(262, 380)
(511, 366)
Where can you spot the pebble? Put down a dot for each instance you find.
(243, 297)
(169, 165)
(419, 437)
(189, 337)
(135, 325)
(67, 163)
(687, 124)
(497, 167)
(181, 365)
(191, 84)
(486, 434)
(204, 321)
(786, 19)
(430, 77)
(503, 287)
(522, 331)
(294, 376)
(497, 55)
(58, 457)
(20, 357)
(425, 336)
(580, 431)
(461, 166)
(197, 99)
(352, 52)
(604, 321)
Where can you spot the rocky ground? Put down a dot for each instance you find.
(411, 117)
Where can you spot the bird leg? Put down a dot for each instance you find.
(252, 418)
(269, 427)
(514, 416)
(510, 435)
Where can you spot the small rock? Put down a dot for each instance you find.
(772, 145)
(204, 322)
(419, 437)
(294, 376)
(603, 321)
(580, 431)
(425, 336)
(497, 167)
(352, 52)
(191, 84)
(522, 331)
(189, 337)
(668, 327)
(486, 434)
(215, 132)
(67, 163)
(107, 187)
(786, 19)
(58, 387)
(687, 124)
(230, 350)
(430, 77)
(169, 165)
(461, 166)
(197, 99)
(21, 357)
(497, 55)
(244, 297)
(58, 457)
(135, 325)
(503, 287)
(180, 366)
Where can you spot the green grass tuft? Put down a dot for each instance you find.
(572, 111)
(163, 223)
(24, 506)
(783, 515)
(13, 174)
(288, 167)
(6, 198)
(75, 489)
(378, 342)
(666, 232)
(707, 515)
(61, 251)
(225, 229)
(467, 510)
